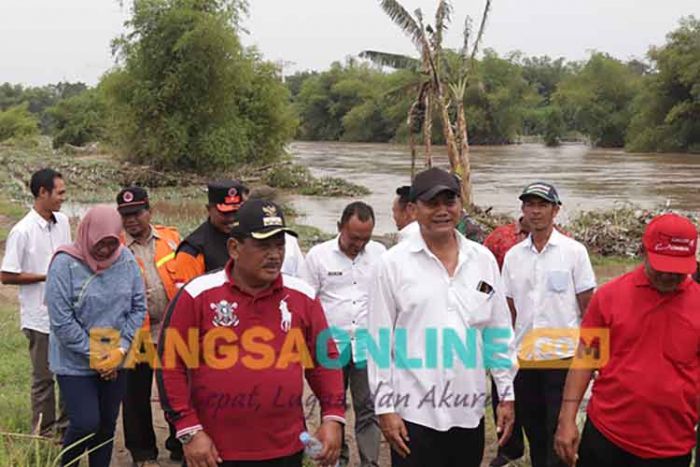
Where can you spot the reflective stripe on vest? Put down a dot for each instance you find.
(165, 259)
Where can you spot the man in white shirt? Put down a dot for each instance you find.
(340, 271)
(28, 252)
(438, 298)
(549, 281)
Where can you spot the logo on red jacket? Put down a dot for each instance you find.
(225, 314)
(286, 315)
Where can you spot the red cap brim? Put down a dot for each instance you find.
(228, 207)
(672, 264)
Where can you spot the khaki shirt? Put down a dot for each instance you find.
(156, 298)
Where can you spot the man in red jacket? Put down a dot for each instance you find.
(239, 399)
(644, 406)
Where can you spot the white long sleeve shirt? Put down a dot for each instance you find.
(428, 314)
(342, 284)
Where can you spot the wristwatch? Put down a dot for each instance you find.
(187, 437)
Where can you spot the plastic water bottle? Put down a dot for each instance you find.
(312, 446)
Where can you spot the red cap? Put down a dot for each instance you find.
(670, 242)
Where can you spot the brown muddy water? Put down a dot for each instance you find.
(587, 179)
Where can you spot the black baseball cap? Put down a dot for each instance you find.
(260, 219)
(542, 190)
(132, 200)
(227, 195)
(431, 182)
(404, 192)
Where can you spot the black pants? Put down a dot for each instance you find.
(538, 393)
(139, 437)
(457, 447)
(295, 460)
(515, 446)
(596, 450)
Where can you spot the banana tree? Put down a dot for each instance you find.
(427, 39)
(438, 86)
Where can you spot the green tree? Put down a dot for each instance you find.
(352, 90)
(544, 74)
(668, 109)
(597, 100)
(497, 99)
(78, 119)
(18, 122)
(39, 99)
(187, 94)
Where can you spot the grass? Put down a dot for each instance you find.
(11, 211)
(15, 409)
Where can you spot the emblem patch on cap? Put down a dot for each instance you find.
(225, 314)
(232, 191)
(128, 196)
(271, 216)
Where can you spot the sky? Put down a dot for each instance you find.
(46, 41)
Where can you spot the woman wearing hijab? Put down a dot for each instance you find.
(94, 294)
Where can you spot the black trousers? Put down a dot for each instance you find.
(295, 460)
(596, 450)
(457, 447)
(538, 393)
(515, 446)
(139, 437)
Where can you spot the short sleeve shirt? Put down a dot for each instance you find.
(543, 286)
(29, 248)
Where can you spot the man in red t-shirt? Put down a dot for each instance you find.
(235, 394)
(644, 406)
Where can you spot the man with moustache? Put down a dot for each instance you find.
(250, 297)
(154, 248)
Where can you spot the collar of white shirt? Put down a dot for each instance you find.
(336, 248)
(43, 223)
(467, 248)
(555, 239)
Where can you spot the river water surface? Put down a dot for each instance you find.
(587, 179)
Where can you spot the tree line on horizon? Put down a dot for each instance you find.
(640, 105)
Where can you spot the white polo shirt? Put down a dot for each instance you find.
(342, 284)
(414, 298)
(543, 286)
(29, 249)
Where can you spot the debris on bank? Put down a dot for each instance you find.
(611, 232)
(299, 178)
(91, 168)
